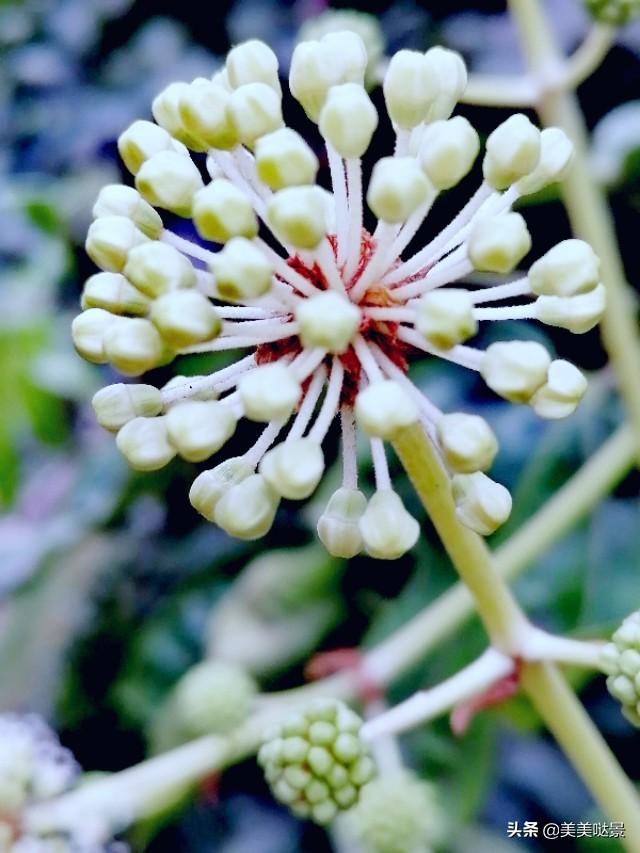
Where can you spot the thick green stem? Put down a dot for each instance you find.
(585, 203)
(505, 622)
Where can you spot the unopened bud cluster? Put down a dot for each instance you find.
(333, 315)
(620, 659)
(615, 12)
(315, 761)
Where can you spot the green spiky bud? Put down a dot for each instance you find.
(213, 697)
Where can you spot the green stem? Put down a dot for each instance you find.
(585, 203)
(505, 622)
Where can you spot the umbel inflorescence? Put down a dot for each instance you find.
(330, 314)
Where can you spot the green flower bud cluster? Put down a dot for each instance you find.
(615, 12)
(620, 659)
(316, 763)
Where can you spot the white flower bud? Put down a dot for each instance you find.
(169, 180)
(112, 291)
(444, 317)
(133, 346)
(481, 503)
(448, 69)
(348, 119)
(247, 510)
(467, 442)
(409, 87)
(298, 216)
(166, 111)
(447, 151)
(397, 188)
(578, 314)
(142, 140)
(254, 109)
(143, 443)
(203, 110)
(294, 468)
(515, 369)
(329, 320)
(561, 393)
(269, 392)
(569, 268)
(198, 428)
(185, 318)
(252, 62)
(499, 243)
(222, 211)
(88, 330)
(512, 151)
(556, 153)
(384, 408)
(339, 524)
(208, 487)
(388, 530)
(242, 271)
(109, 241)
(347, 56)
(284, 159)
(118, 200)
(156, 268)
(116, 405)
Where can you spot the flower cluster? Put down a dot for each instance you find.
(620, 659)
(316, 762)
(331, 313)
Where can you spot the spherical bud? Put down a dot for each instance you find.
(578, 314)
(481, 504)
(222, 211)
(133, 346)
(156, 268)
(444, 317)
(339, 524)
(109, 241)
(448, 69)
(269, 392)
(213, 697)
(118, 200)
(198, 428)
(112, 291)
(294, 468)
(298, 216)
(185, 318)
(561, 393)
(284, 159)
(467, 442)
(499, 243)
(316, 762)
(556, 153)
(252, 62)
(209, 486)
(88, 332)
(348, 119)
(613, 12)
(144, 444)
(569, 268)
(447, 151)
(242, 271)
(515, 369)
(397, 813)
(397, 188)
(254, 109)
(384, 408)
(143, 140)
(512, 151)
(169, 180)
(388, 530)
(620, 659)
(203, 110)
(166, 111)
(329, 320)
(247, 510)
(116, 405)
(409, 87)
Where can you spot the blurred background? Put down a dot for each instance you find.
(111, 586)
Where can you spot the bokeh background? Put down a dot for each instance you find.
(111, 586)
